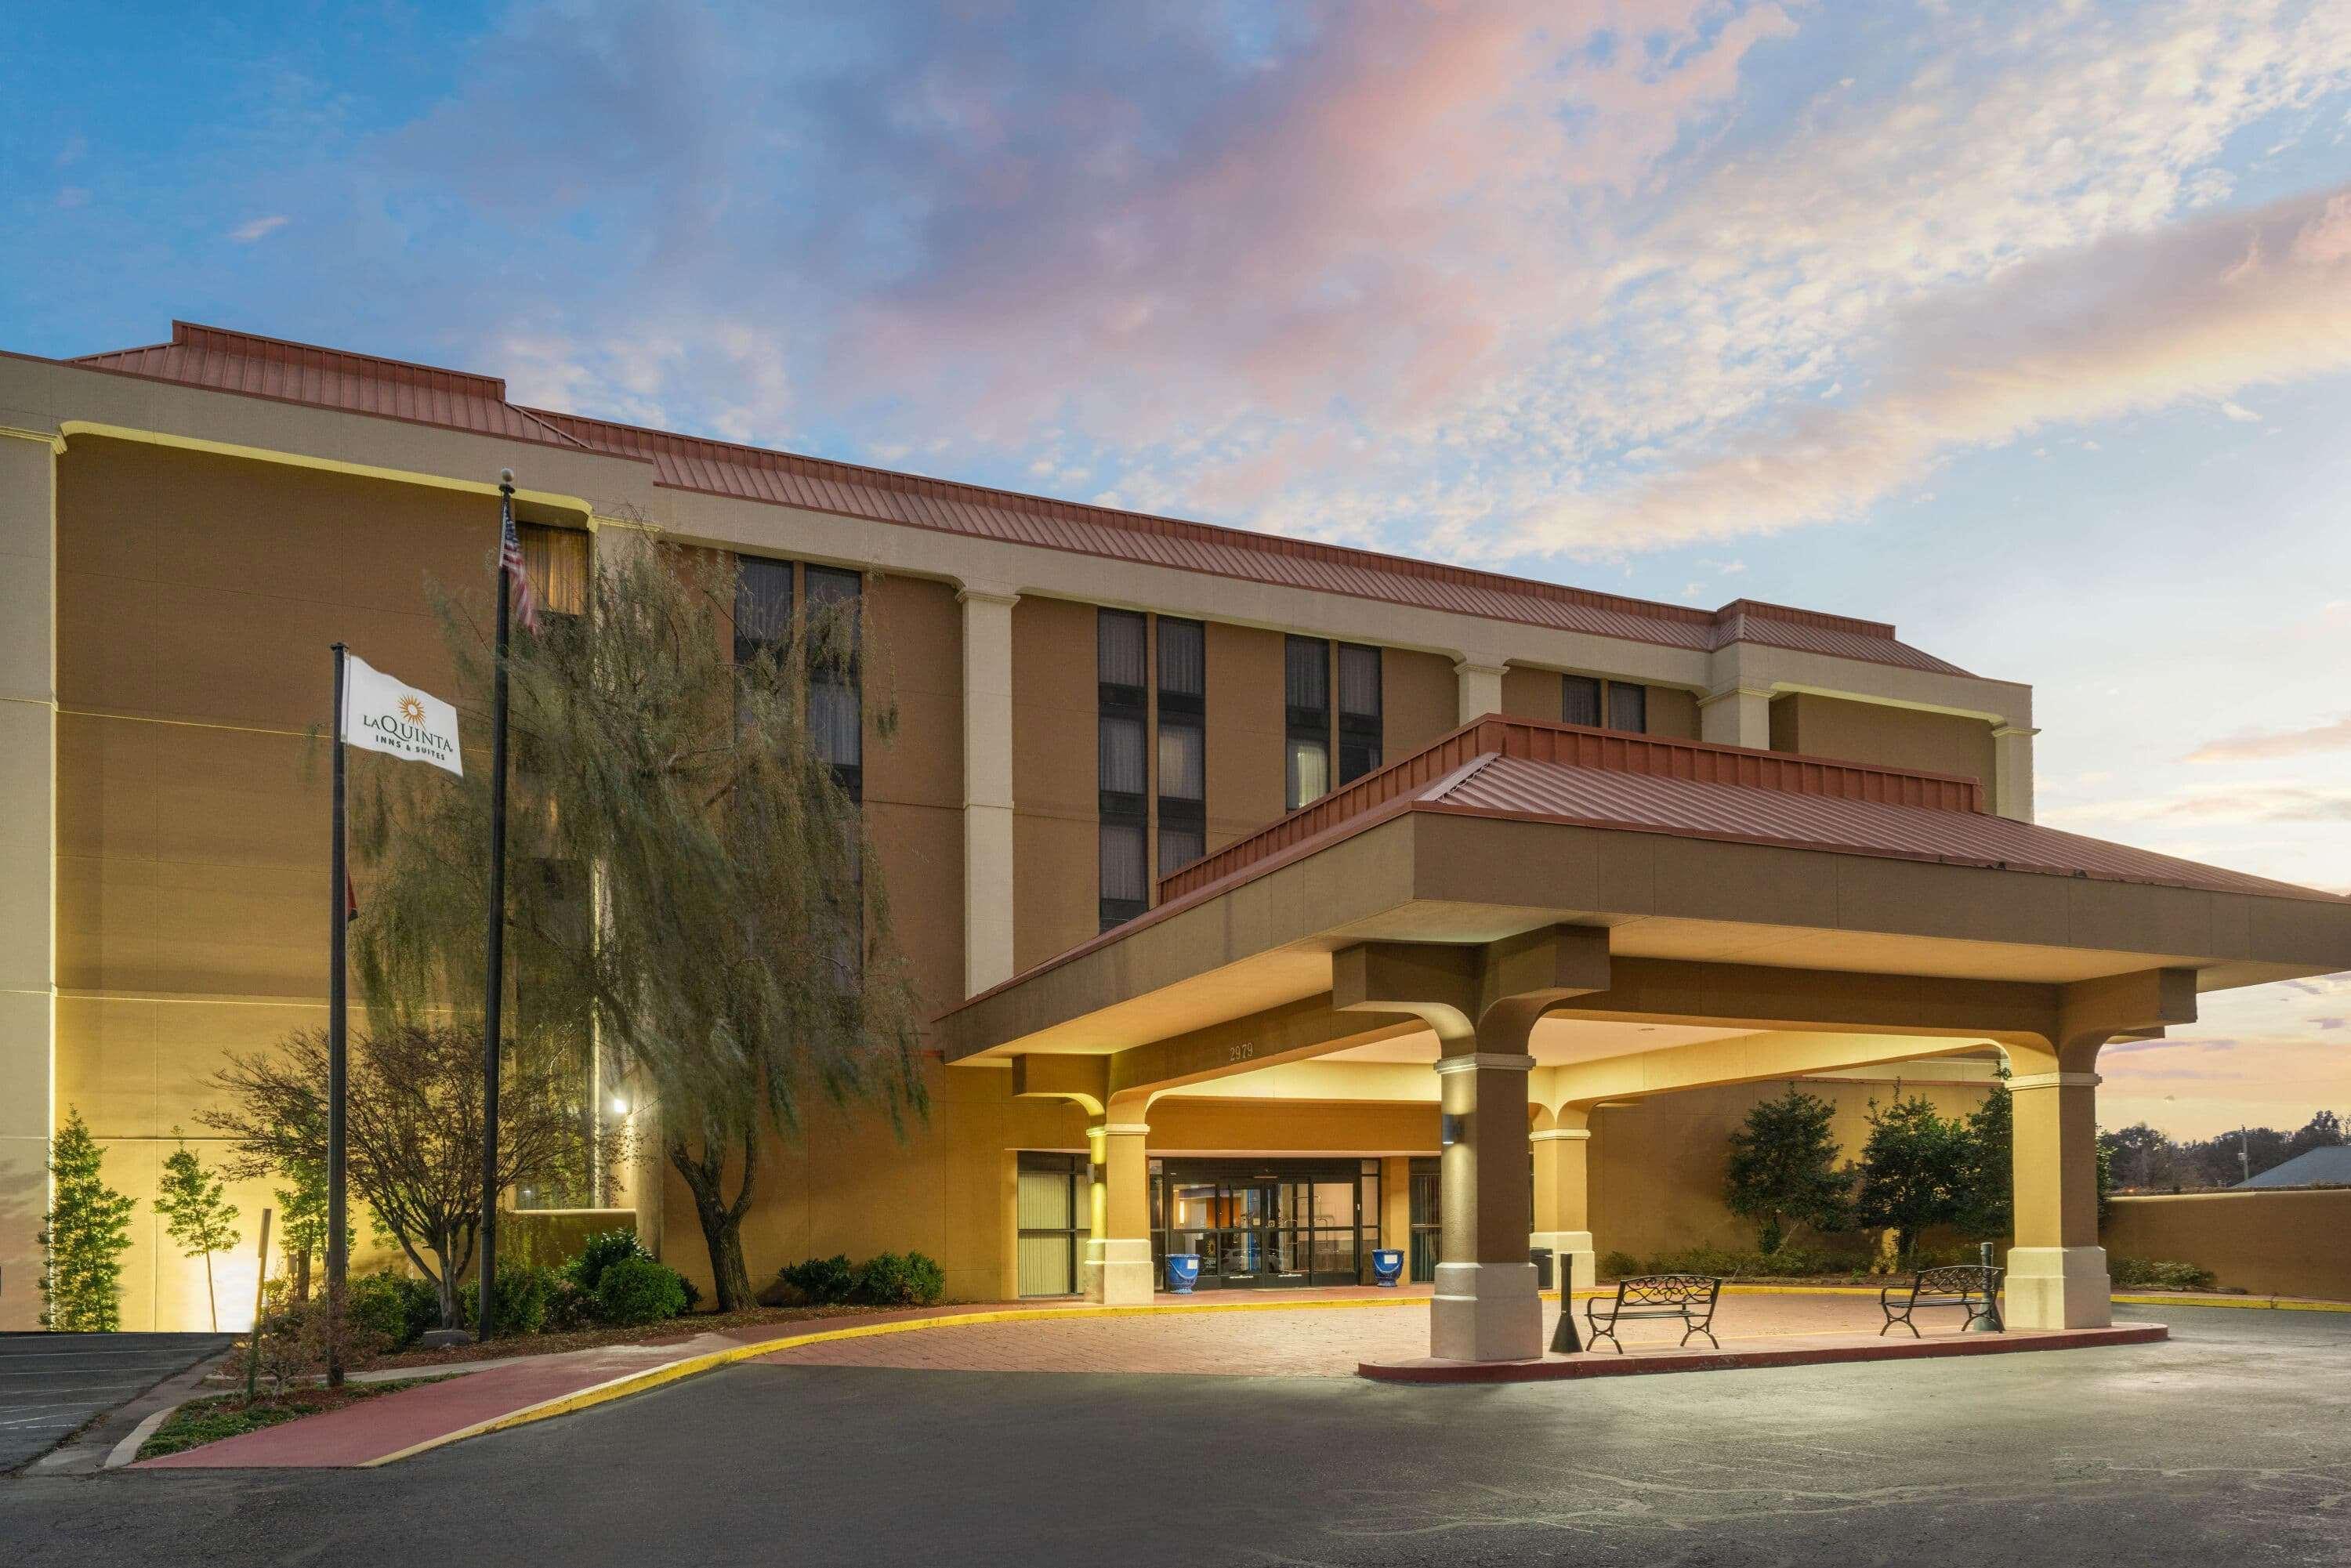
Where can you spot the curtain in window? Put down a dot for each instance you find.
(1183, 658)
(1118, 649)
(1182, 762)
(1579, 700)
(1121, 756)
(763, 604)
(833, 717)
(1124, 875)
(1307, 674)
(1628, 706)
(1179, 847)
(1309, 772)
(1359, 681)
(556, 560)
(830, 585)
(1045, 1261)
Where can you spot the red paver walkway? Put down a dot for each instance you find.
(373, 1429)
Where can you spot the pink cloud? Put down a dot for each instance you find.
(2261, 746)
(1375, 222)
(2197, 310)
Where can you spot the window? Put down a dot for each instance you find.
(1579, 700)
(1620, 705)
(1306, 697)
(1122, 665)
(836, 712)
(1049, 1207)
(1182, 743)
(1359, 711)
(556, 560)
(763, 607)
(765, 598)
(1628, 706)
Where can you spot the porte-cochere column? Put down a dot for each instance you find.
(1562, 1149)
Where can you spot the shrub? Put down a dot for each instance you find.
(600, 1252)
(2153, 1273)
(812, 1282)
(393, 1308)
(524, 1293)
(639, 1290)
(693, 1292)
(377, 1302)
(892, 1280)
(1616, 1265)
(570, 1307)
(294, 1340)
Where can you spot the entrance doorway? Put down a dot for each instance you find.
(1268, 1224)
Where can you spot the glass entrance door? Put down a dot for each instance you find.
(1258, 1226)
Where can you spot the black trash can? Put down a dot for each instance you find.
(1540, 1257)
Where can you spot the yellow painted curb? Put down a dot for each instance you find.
(688, 1366)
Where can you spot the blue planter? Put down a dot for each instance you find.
(1387, 1266)
(1183, 1271)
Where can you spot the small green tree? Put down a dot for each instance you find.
(196, 1213)
(1914, 1170)
(86, 1231)
(1783, 1168)
(302, 1222)
(1986, 1209)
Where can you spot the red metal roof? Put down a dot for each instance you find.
(329, 378)
(244, 363)
(1533, 771)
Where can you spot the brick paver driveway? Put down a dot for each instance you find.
(1264, 1341)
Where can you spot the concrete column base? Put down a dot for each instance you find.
(1117, 1272)
(1574, 1265)
(1486, 1312)
(2058, 1288)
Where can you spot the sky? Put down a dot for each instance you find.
(2024, 326)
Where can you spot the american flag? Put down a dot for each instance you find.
(526, 604)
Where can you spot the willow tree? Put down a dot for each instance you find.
(705, 892)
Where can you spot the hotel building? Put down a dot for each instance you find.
(1274, 901)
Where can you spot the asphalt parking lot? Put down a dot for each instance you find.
(2229, 1443)
(50, 1383)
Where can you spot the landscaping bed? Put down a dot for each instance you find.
(202, 1421)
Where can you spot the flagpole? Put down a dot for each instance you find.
(494, 990)
(338, 1044)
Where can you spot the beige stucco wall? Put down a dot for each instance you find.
(1656, 1167)
(914, 780)
(2271, 1243)
(1418, 700)
(27, 831)
(1673, 711)
(1900, 737)
(1056, 713)
(1531, 694)
(1246, 731)
(197, 596)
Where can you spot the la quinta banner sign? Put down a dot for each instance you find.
(385, 714)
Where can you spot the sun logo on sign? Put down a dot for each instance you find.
(411, 709)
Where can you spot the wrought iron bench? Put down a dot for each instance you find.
(1689, 1297)
(1971, 1286)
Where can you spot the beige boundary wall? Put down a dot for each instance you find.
(2273, 1243)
